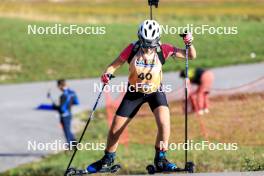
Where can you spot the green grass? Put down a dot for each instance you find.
(124, 11)
(26, 58)
(49, 57)
(241, 123)
(136, 157)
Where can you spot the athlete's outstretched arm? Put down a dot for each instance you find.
(180, 53)
(120, 60)
(114, 65)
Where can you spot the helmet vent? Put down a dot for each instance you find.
(146, 34)
(150, 27)
(147, 22)
(153, 33)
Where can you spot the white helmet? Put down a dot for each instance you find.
(149, 34)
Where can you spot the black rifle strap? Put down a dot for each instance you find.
(137, 47)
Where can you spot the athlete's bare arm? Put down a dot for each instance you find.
(114, 65)
(180, 53)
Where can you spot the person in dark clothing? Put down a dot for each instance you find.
(68, 98)
(204, 80)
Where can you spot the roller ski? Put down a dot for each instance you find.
(104, 165)
(189, 168)
(79, 172)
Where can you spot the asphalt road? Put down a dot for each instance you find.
(223, 174)
(21, 123)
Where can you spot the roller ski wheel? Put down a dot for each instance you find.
(190, 167)
(115, 168)
(112, 169)
(75, 172)
(152, 169)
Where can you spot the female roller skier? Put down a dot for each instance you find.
(145, 58)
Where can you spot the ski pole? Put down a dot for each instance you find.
(87, 123)
(153, 3)
(186, 100)
(186, 95)
(151, 17)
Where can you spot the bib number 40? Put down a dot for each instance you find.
(147, 76)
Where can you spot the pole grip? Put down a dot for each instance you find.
(153, 3)
(111, 76)
(183, 34)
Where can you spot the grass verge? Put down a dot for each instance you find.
(235, 119)
(26, 57)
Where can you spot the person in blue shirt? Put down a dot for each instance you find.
(68, 98)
